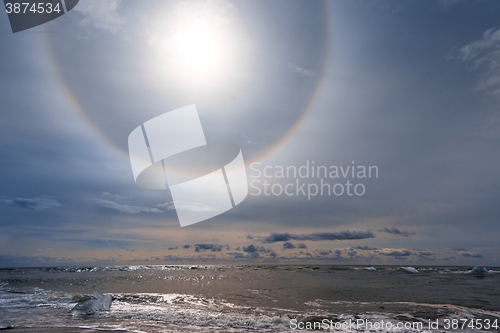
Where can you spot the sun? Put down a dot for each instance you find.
(197, 44)
(200, 50)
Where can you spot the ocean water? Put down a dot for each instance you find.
(255, 298)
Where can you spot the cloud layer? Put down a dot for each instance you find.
(395, 231)
(484, 57)
(128, 209)
(38, 203)
(317, 236)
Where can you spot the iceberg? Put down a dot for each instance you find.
(5, 325)
(478, 270)
(91, 304)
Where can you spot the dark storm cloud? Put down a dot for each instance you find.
(249, 248)
(204, 247)
(424, 253)
(256, 249)
(395, 231)
(237, 255)
(186, 246)
(288, 245)
(277, 237)
(317, 236)
(301, 246)
(365, 248)
(38, 203)
(252, 252)
(254, 255)
(323, 252)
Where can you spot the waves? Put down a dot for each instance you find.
(155, 312)
(124, 268)
(478, 270)
(262, 298)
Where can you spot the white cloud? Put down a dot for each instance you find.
(470, 254)
(38, 203)
(395, 252)
(484, 56)
(113, 197)
(125, 208)
(99, 14)
(187, 206)
(302, 71)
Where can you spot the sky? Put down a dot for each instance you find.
(404, 93)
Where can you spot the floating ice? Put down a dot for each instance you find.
(478, 270)
(409, 269)
(89, 305)
(5, 325)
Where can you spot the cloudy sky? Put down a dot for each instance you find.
(408, 88)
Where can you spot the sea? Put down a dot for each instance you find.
(253, 298)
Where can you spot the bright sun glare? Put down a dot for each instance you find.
(196, 44)
(200, 50)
